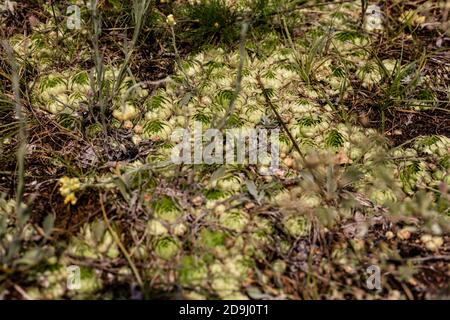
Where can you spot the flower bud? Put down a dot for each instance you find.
(171, 20)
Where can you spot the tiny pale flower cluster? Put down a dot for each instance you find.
(432, 243)
(68, 188)
(171, 20)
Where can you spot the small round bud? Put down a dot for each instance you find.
(171, 20)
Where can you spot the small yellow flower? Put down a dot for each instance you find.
(68, 188)
(70, 199)
(171, 20)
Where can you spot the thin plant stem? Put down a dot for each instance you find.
(120, 244)
(178, 59)
(237, 90)
(140, 12)
(22, 135)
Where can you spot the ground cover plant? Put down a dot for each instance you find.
(92, 94)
